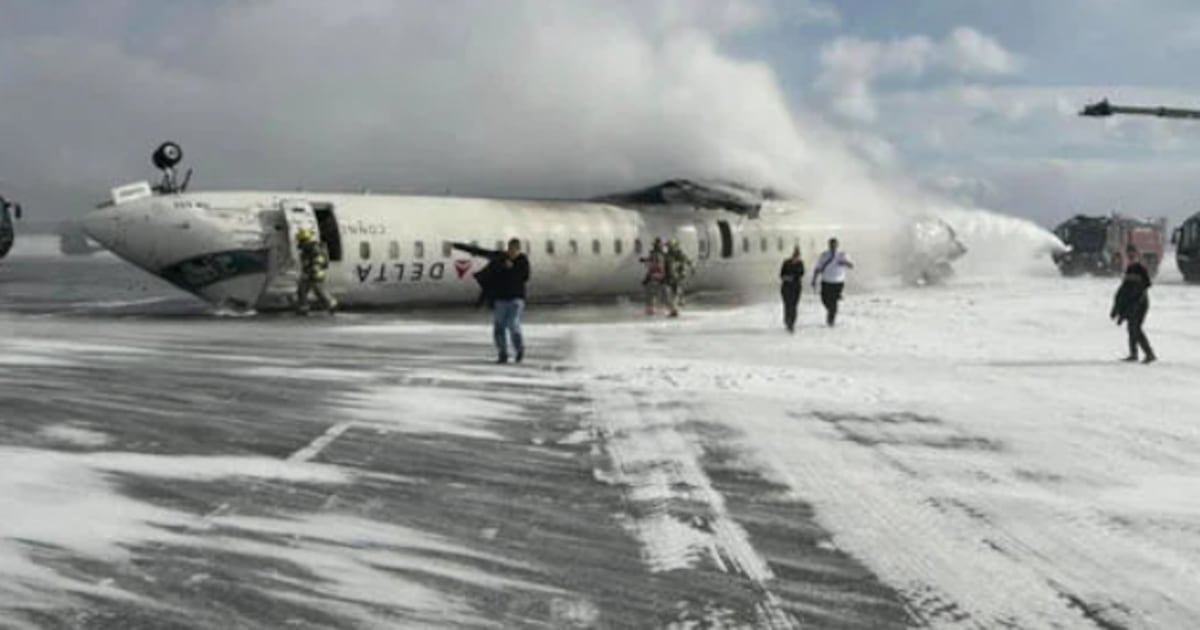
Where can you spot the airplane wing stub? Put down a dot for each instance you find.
(730, 197)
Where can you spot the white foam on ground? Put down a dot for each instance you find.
(57, 348)
(16, 359)
(362, 567)
(417, 328)
(64, 501)
(1041, 469)
(366, 562)
(119, 303)
(655, 464)
(74, 435)
(208, 468)
(490, 375)
(56, 501)
(305, 373)
(421, 409)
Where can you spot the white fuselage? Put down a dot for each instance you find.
(238, 247)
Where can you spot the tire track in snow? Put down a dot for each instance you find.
(659, 466)
(935, 550)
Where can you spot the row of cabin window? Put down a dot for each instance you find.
(364, 248)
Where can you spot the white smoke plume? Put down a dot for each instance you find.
(528, 97)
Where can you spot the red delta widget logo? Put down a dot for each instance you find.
(461, 267)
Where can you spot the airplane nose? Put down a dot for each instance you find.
(104, 227)
(130, 230)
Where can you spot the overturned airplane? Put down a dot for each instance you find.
(238, 248)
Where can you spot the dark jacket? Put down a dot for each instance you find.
(502, 278)
(792, 272)
(1133, 295)
(508, 281)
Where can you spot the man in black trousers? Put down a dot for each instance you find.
(831, 271)
(791, 279)
(1132, 303)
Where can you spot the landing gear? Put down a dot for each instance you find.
(166, 157)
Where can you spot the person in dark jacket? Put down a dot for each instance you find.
(484, 276)
(502, 285)
(791, 279)
(1131, 304)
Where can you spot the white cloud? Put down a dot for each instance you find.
(851, 66)
(736, 16)
(1026, 151)
(1051, 190)
(973, 53)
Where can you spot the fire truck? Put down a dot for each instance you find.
(1097, 244)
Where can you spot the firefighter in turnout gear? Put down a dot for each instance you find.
(313, 263)
(679, 269)
(655, 280)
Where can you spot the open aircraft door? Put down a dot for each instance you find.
(284, 274)
(297, 215)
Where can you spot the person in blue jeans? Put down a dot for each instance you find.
(503, 286)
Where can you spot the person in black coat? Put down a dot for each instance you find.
(502, 286)
(791, 279)
(1131, 304)
(484, 276)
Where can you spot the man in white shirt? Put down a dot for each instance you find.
(831, 270)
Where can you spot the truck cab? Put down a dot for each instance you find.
(1097, 244)
(1186, 239)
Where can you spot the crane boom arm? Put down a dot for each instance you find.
(1104, 108)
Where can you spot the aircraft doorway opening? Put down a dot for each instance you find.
(327, 227)
(726, 239)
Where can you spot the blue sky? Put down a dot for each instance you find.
(970, 98)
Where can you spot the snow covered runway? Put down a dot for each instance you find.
(966, 456)
(977, 447)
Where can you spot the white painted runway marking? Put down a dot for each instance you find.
(315, 447)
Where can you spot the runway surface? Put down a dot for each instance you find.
(967, 456)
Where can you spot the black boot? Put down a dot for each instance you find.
(502, 359)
